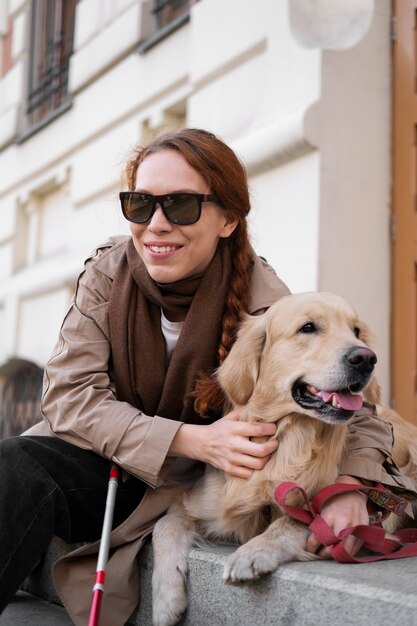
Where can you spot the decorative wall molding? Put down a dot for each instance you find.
(279, 142)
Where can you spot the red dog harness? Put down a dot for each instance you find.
(373, 536)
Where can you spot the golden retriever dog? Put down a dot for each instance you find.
(306, 365)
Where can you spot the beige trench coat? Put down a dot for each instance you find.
(79, 406)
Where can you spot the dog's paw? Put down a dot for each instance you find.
(168, 615)
(169, 599)
(248, 563)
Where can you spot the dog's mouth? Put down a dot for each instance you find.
(331, 405)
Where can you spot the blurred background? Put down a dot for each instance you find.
(318, 98)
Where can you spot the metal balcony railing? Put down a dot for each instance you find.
(50, 78)
(51, 46)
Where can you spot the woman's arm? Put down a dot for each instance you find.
(368, 453)
(79, 402)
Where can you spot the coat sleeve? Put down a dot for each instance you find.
(79, 403)
(368, 452)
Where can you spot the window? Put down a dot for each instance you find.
(39, 217)
(167, 11)
(52, 31)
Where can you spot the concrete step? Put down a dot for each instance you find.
(28, 610)
(298, 594)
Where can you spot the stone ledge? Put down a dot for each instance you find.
(27, 610)
(298, 594)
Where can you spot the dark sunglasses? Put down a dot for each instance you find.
(179, 208)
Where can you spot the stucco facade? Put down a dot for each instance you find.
(301, 90)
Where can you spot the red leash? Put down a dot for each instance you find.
(403, 544)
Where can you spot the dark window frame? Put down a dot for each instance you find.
(169, 16)
(51, 47)
(168, 11)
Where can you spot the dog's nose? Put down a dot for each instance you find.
(362, 359)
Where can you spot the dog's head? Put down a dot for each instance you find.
(309, 353)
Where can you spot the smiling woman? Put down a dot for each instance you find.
(133, 379)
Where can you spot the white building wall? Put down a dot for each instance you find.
(245, 70)
(284, 224)
(354, 139)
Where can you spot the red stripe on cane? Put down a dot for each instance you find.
(100, 576)
(114, 472)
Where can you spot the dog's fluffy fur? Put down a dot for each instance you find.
(276, 372)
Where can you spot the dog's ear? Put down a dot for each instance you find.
(372, 393)
(239, 372)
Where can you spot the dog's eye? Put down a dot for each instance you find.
(310, 327)
(357, 331)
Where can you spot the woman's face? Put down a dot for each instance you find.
(172, 252)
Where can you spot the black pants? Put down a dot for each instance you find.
(50, 487)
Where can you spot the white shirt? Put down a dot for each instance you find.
(171, 332)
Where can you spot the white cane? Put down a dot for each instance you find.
(103, 554)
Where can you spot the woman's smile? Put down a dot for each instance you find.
(162, 248)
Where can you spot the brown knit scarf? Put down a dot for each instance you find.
(141, 373)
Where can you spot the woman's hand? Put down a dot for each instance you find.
(342, 511)
(226, 444)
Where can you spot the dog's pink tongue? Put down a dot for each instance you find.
(348, 401)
